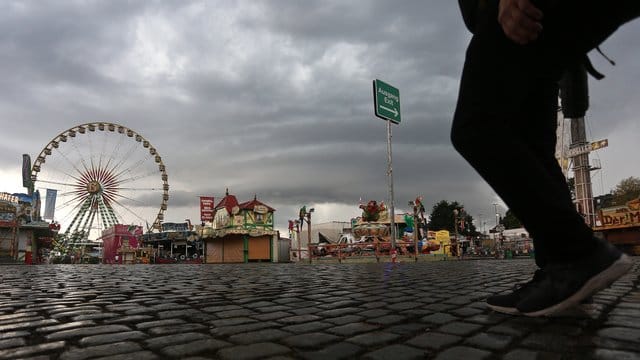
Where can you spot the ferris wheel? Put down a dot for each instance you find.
(103, 174)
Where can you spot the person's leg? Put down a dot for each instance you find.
(490, 132)
(507, 98)
(504, 126)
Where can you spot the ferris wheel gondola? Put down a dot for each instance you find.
(104, 174)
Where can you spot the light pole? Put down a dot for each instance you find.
(416, 226)
(202, 243)
(499, 229)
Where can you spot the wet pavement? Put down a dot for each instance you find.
(431, 310)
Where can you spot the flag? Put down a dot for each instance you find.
(26, 172)
(50, 204)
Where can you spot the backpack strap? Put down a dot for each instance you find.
(592, 70)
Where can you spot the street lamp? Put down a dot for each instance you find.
(495, 230)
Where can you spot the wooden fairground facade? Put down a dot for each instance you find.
(240, 232)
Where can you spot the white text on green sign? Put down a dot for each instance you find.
(387, 101)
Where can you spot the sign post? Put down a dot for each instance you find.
(386, 100)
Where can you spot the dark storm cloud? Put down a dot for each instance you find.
(266, 98)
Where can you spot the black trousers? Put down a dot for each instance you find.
(505, 119)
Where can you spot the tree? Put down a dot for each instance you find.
(510, 221)
(628, 189)
(442, 218)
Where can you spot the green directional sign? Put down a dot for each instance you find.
(386, 101)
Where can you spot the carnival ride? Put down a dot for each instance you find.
(103, 174)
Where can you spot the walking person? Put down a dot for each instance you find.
(505, 127)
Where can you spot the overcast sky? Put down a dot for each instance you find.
(274, 98)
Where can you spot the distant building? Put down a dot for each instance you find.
(240, 232)
(324, 232)
(24, 237)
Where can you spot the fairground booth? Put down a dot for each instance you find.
(24, 237)
(240, 232)
(177, 242)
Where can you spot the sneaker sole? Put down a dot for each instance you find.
(504, 310)
(598, 282)
(581, 310)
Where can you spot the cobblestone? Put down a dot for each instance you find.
(310, 340)
(396, 352)
(195, 347)
(100, 350)
(86, 331)
(424, 310)
(434, 340)
(253, 351)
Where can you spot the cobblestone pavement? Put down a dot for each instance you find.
(432, 310)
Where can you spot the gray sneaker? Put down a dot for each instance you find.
(566, 285)
(506, 303)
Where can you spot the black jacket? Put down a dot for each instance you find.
(479, 13)
(469, 9)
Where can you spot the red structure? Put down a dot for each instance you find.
(112, 241)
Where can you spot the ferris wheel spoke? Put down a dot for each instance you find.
(123, 159)
(141, 189)
(133, 166)
(137, 177)
(81, 156)
(129, 211)
(71, 163)
(56, 183)
(74, 203)
(68, 202)
(116, 197)
(126, 156)
(114, 152)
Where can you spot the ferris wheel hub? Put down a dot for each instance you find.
(94, 187)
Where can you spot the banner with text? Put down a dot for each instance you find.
(26, 171)
(206, 208)
(50, 204)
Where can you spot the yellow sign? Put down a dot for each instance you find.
(8, 198)
(599, 144)
(621, 216)
(443, 238)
